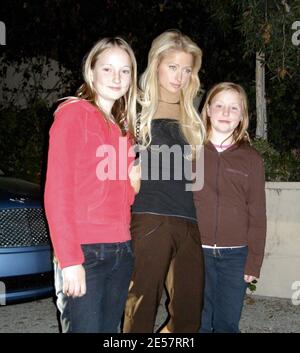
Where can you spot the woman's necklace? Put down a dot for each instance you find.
(222, 146)
(161, 101)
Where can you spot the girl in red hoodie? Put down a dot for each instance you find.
(88, 191)
(230, 208)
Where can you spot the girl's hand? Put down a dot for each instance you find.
(74, 284)
(249, 278)
(135, 177)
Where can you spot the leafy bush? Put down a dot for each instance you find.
(283, 166)
(24, 136)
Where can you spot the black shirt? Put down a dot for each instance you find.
(165, 173)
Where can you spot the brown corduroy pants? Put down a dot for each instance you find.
(167, 251)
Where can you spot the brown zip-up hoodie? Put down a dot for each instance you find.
(231, 207)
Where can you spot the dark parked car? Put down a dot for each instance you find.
(25, 254)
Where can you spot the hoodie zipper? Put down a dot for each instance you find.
(217, 201)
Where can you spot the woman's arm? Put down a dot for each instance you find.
(257, 217)
(66, 142)
(135, 177)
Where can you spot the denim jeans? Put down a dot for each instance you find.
(108, 269)
(224, 289)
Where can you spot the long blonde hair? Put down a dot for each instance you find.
(190, 124)
(240, 132)
(124, 109)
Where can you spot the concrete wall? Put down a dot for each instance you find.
(281, 266)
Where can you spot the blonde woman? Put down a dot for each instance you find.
(87, 202)
(166, 240)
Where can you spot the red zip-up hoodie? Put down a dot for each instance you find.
(88, 192)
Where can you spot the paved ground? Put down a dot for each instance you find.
(260, 314)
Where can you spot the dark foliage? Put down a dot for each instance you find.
(64, 30)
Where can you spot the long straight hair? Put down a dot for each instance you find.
(190, 122)
(124, 109)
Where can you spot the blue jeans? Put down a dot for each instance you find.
(108, 268)
(224, 289)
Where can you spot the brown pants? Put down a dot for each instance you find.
(169, 248)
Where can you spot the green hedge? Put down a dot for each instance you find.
(24, 139)
(283, 166)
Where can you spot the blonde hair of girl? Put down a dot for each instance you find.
(190, 124)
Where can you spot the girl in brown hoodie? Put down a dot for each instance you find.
(230, 208)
